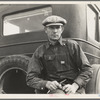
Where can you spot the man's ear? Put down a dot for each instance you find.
(45, 29)
(62, 28)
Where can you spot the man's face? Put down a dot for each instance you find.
(54, 31)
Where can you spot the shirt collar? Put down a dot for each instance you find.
(61, 41)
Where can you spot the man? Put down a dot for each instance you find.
(58, 66)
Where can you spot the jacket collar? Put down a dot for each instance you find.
(61, 41)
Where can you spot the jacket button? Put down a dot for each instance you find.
(41, 88)
(62, 62)
(61, 76)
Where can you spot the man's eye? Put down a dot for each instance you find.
(57, 27)
(54, 27)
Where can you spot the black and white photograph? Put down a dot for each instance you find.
(50, 48)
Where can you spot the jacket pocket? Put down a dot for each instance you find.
(49, 61)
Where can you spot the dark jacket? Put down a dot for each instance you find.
(64, 60)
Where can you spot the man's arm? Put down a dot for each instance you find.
(81, 62)
(34, 71)
(84, 66)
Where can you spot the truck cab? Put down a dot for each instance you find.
(21, 32)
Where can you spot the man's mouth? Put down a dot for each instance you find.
(55, 35)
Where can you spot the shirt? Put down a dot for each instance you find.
(63, 60)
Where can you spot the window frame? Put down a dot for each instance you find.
(22, 11)
(95, 10)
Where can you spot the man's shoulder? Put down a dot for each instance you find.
(40, 50)
(42, 47)
(70, 41)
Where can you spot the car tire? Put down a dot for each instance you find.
(13, 70)
(93, 87)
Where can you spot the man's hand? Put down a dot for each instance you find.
(53, 85)
(70, 89)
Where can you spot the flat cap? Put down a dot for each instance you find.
(54, 20)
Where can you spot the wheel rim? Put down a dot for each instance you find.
(98, 82)
(14, 81)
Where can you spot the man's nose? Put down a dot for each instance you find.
(55, 30)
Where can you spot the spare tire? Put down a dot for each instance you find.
(13, 70)
(93, 87)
